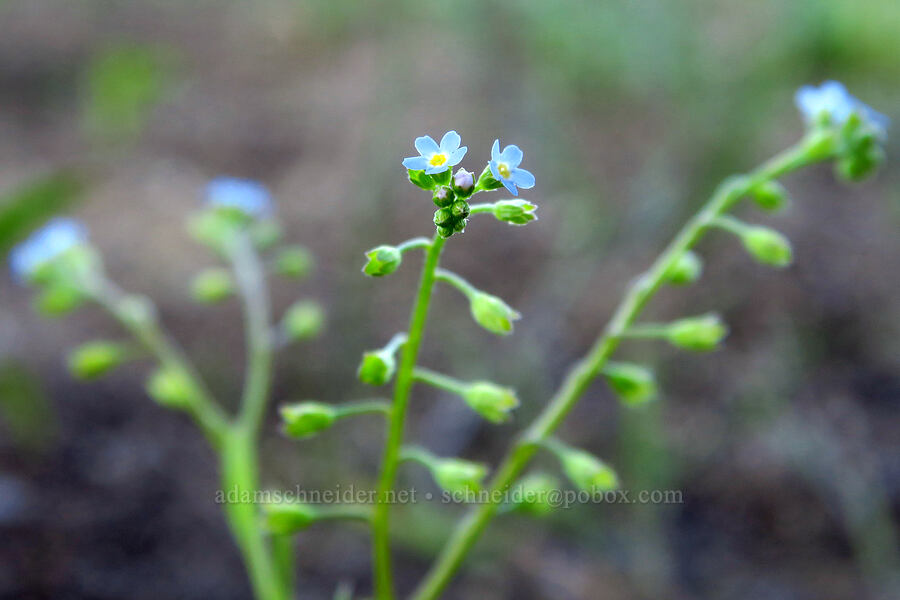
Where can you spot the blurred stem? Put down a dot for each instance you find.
(438, 380)
(466, 288)
(586, 370)
(384, 585)
(283, 553)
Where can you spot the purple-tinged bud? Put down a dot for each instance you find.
(463, 183)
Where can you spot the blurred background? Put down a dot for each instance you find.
(784, 443)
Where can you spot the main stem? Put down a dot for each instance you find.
(384, 585)
(585, 370)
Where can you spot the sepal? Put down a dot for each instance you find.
(306, 419)
(303, 320)
(701, 334)
(491, 401)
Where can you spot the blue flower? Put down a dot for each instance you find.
(434, 158)
(832, 100)
(505, 168)
(250, 197)
(44, 245)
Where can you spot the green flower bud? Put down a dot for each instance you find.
(491, 401)
(58, 300)
(377, 367)
(492, 313)
(445, 232)
(486, 181)
(770, 196)
(213, 229)
(460, 209)
(265, 234)
(701, 333)
(515, 212)
(458, 476)
(420, 179)
(588, 472)
(443, 197)
(634, 384)
(463, 183)
(767, 246)
(687, 269)
(285, 518)
(533, 495)
(171, 388)
(383, 260)
(303, 320)
(859, 165)
(294, 261)
(95, 359)
(307, 418)
(212, 285)
(443, 217)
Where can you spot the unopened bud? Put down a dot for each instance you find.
(443, 197)
(383, 260)
(463, 183)
(767, 246)
(95, 359)
(377, 367)
(171, 388)
(307, 418)
(285, 518)
(492, 313)
(534, 494)
(303, 320)
(443, 217)
(515, 212)
(491, 401)
(58, 300)
(770, 196)
(295, 262)
(701, 333)
(460, 209)
(634, 384)
(458, 476)
(588, 472)
(212, 285)
(687, 269)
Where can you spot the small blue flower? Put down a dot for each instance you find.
(250, 197)
(832, 100)
(44, 245)
(434, 158)
(505, 168)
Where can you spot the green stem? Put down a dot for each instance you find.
(419, 242)
(438, 380)
(365, 407)
(646, 331)
(729, 223)
(456, 281)
(384, 586)
(477, 209)
(585, 370)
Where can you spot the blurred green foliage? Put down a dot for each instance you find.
(33, 202)
(26, 414)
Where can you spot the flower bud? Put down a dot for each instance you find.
(377, 367)
(295, 262)
(212, 285)
(515, 212)
(443, 197)
(443, 217)
(171, 388)
(307, 418)
(303, 320)
(383, 260)
(213, 229)
(701, 333)
(459, 209)
(492, 313)
(634, 384)
(285, 518)
(770, 196)
(767, 246)
(491, 401)
(588, 472)
(458, 476)
(534, 494)
(463, 183)
(58, 300)
(486, 181)
(445, 232)
(94, 359)
(420, 179)
(687, 269)
(859, 165)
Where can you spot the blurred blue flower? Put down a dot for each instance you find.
(250, 197)
(45, 244)
(832, 99)
(434, 158)
(505, 168)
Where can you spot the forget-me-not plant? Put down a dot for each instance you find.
(237, 226)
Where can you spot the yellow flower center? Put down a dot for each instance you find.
(503, 169)
(437, 160)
